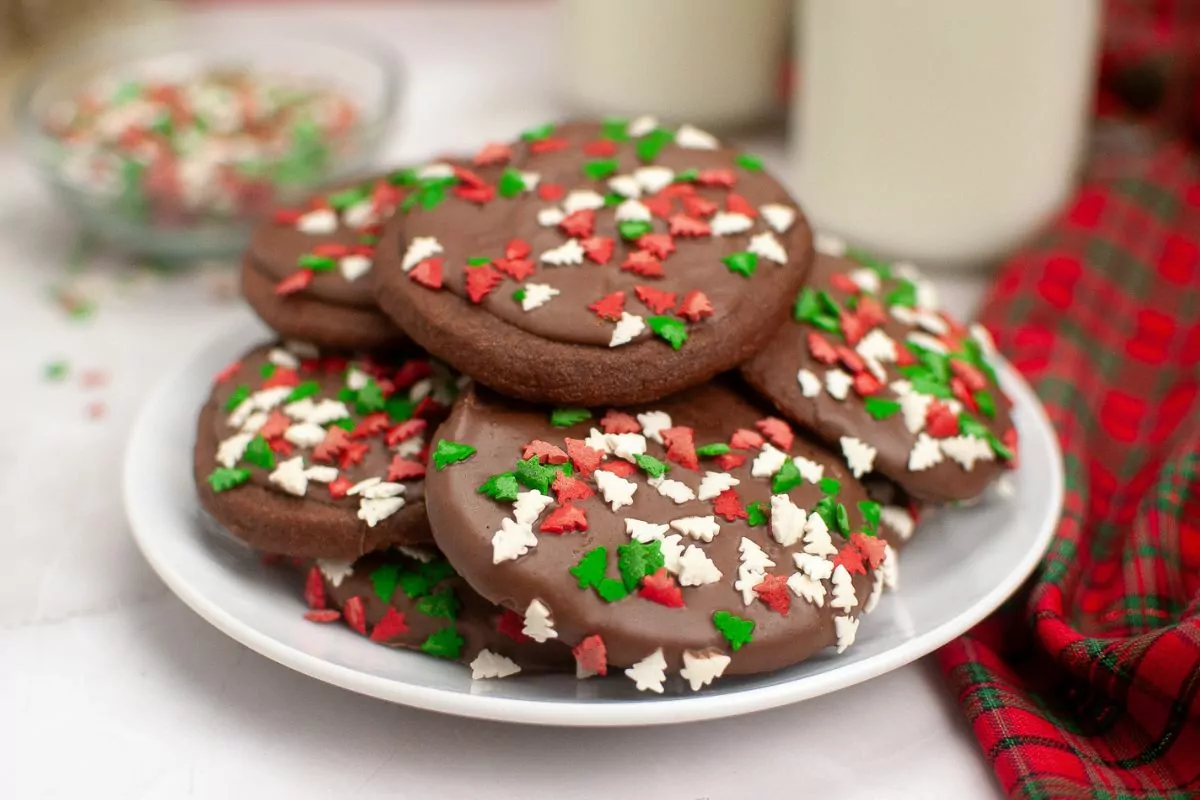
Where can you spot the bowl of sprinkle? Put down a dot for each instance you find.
(169, 140)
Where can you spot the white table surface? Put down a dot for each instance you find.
(111, 687)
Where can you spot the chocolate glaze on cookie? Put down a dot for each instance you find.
(872, 366)
(651, 586)
(308, 270)
(413, 599)
(595, 263)
(316, 455)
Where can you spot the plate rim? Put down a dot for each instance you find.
(688, 708)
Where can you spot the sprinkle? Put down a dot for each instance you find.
(726, 224)
(844, 597)
(697, 569)
(787, 520)
(374, 510)
(591, 657)
(656, 300)
(966, 450)
(654, 423)
(693, 138)
(675, 491)
(807, 588)
(447, 453)
(654, 179)
(627, 329)
(846, 629)
(538, 624)
(290, 477)
(925, 453)
(778, 216)
(529, 506)
(700, 528)
(641, 262)
(899, 520)
(616, 491)
(230, 451)
(776, 431)
(817, 541)
(737, 631)
(860, 456)
(649, 673)
(819, 568)
(512, 541)
(537, 295)
(671, 547)
(632, 211)
(688, 227)
(928, 342)
(768, 462)
(419, 249)
(583, 200)
(752, 567)
(641, 126)
(491, 665)
(644, 532)
(626, 445)
(838, 383)
(569, 252)
(550, 217)
(625, 185)
(598, 249)
(695, 306)
(810, 384)
(322, 221)
(766, 245)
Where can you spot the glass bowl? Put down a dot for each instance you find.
(196, 194)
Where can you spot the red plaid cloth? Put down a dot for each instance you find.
(1087, 684)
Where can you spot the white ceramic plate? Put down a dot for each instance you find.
(962, 565)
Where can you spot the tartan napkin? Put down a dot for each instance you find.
(1087, 684)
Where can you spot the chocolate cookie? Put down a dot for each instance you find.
(594, 263)
(414, 600)
(317, 455)
(693, 536)
(307, 271)
(872, 367)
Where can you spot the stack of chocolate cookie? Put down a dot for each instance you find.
(592, 400)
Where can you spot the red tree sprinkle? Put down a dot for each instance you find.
(517, 248)
(335, 441)
(296, 282)
(870, 312)
(873, 549)
(401, 469)
(371, 425)
(729, 506)
(481, 281)
(405, 431)
(282, 376)
(683, 225)
(695, 306)
(852, 360)
(723, 178)
(609, 307)
(564, 519)
(551, 192)
(591, 655)
(548, 145)
(866, 384)
(467, 177)
(598, 249)
(778, 432)
(410, 372)
(546, 453)
(356, 614)
(600, 148)
(852, 327)
(659, 205)
(428, 273)
(746, 439)
(339, 487)
(475, 194)
(391, 626)
(820, 349)
(843, 283)
(619, 422)
(968, 374)
(567, 488)
(698, 206)
(585, 459)
(579, 224)
(325, 615)
(851, 559)
(656, 300)
(619, 468)
(331, 249)
(227, 372)
(642, 263)
(959, 387)
(681, 446)
(659, 245)
(773, 591)
(314, 589)
(940, 421)
(730, 461)
(275, 426)
(661, 588)
(736, 204)
(492, 154)
(516, 268)
(353, 454)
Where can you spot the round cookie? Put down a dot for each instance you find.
(413, 599)
(620, 262)
(694, 535)
(307, 272)
(871, 366)
(315, 455)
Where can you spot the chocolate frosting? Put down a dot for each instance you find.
(476, 621)
(318, 524)
(468, 230)
(464, 521)
(774, 373)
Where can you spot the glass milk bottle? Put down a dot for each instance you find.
(944, 131)
(713, 63)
